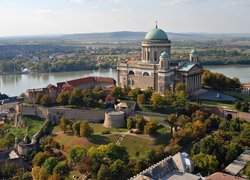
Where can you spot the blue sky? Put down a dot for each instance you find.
(34, 17)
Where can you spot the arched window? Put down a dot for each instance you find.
(131, 82)
(155, 55)
(145, 74)
(131, 72)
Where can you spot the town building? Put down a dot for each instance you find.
(155, 70)
(246, 88)
(105, 83)
(179, 166)
(10, 103)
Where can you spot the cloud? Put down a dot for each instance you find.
(173, 3)
(45, 11)
(102, 1)
(238, 3)
(76, 1)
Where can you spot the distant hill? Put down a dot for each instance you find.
(129, 36)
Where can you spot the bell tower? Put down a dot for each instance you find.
(194, 57)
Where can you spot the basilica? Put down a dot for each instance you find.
(155, 71)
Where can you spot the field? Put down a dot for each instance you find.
(34, 124)
(241, 96)
(133, 143)
(219, 104)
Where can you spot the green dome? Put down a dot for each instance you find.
(194, 51)
(165, 54)
(156, 34)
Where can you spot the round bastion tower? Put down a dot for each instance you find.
(155, 43)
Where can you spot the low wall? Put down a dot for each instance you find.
(55, 113)
(34, 111)
(77, 114)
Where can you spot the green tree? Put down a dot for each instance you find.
(45, 100)
(117, 168)
(117, 92)
(40, 157)
(63, 98)
(237, 105)
(77, 154)
(62, 169)
(206, 162)
(76, 128)
(172, 119)
(169, 97)
(50, 164)
(131, 123)
(8, 169)
(150, 127)
(85, 129)
(140, 123)
(64, 123)
(76, 97)
(103, 173)
(157, 101)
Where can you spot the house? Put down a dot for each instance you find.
(246, 88)
(11, 157)
(10, 103)
(178, 167)
(223, 176)
(128, 107)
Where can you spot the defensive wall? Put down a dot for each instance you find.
(55, 113)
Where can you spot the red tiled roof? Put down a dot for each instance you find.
(85, 80)
(51, 86)
(105, 80)
(67, 87)
(109, 97)
(246, 84)
(224, 176)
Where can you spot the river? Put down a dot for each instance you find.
(13, 85)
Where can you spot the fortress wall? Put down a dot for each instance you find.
(34, 111)
(77, 114)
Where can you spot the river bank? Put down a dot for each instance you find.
(15, 84)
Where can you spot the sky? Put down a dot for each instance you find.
(41, 17)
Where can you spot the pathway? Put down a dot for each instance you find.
(121, 137)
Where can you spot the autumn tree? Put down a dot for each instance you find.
(157, 101)
(45, 100)
(172, 119)
(64, 124)
(151, 127)
(141, 99)
(85, 129)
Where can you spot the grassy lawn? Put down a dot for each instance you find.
(220, 104)
(238, 95)
(99, 128)
(133, 143)
(69, 140)
(166, 110)
(34, 124)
